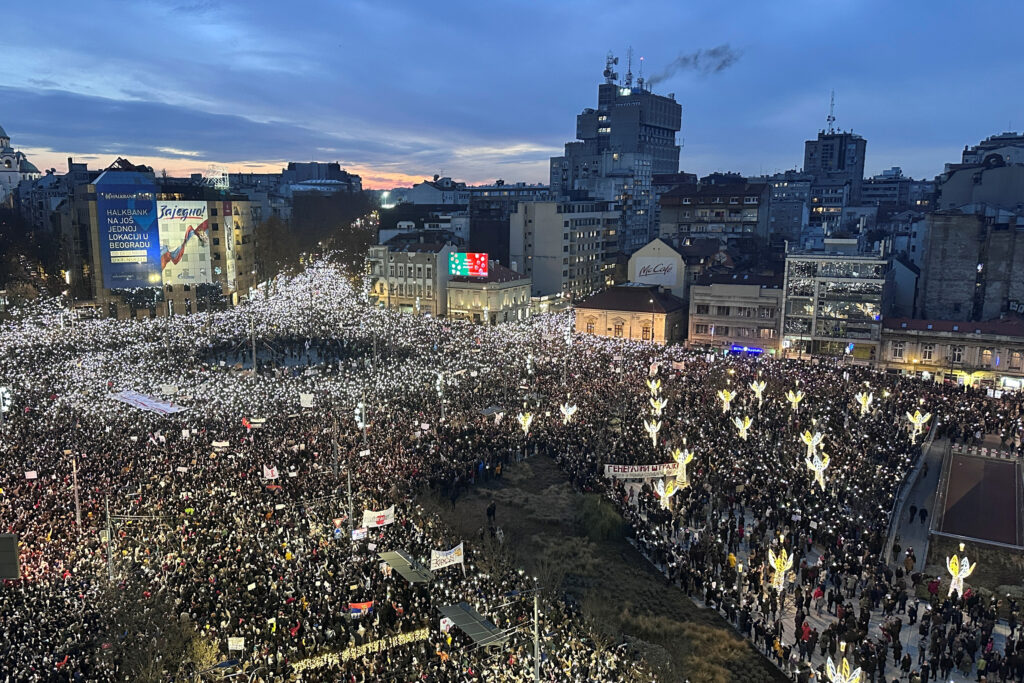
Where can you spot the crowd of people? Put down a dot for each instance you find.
(230, 518)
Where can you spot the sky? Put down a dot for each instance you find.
(398, 91)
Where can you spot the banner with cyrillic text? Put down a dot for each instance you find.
(439, 559)
(668, 469)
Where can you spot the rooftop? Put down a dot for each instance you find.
(1011, 327)
(495, 273)
(764, 281)
(634, 298)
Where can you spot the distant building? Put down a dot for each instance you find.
(895, 191)
(502, 296)
(408, 218)
(619, 148)
(490, 207)
(1007, 146)
(329, 175)
(14, 168)
(657, 263)
(788, 211)
(437, 191)
(834, 299)
(736, 312)
(837, 157)
(568, 248)
(638, 312)
(411, 274)
(726, 211)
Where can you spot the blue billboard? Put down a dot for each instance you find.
(129, 240)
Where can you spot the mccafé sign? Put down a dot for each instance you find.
(656, 271)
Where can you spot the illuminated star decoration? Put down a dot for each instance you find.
(567, 412)
(864, 399)
(525, 420)
(812, 441)
(665, 490)
(743, 424)
(658, 405)
(794, 398)
(654, 385)
(652, 428)
(727, 397)
(757, 387)
(843, 674)
(918, 420)
(959, 569)
(817, 464)
(683, 457)
(781, 564)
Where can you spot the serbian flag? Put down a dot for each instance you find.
(358, 609)
(246, 423)
(270, 472)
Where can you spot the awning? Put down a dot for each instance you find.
(411, 570)
(474, 625)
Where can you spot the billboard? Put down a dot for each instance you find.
(229, 245)
(129, 244)
(184, 242)
(656, 271)
(472, 264)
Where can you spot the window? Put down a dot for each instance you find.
(216, 241)
(702, 309)
(391, 270)
(428, 272)
(765, 313)
(1015, 360)
(617, 330)
(766, 333)
(956, 354)
(215, 227)
(646, 333)
(590, 328)
(927, 351)
(213, 212)
(986, 357)
(700, 329)
(897, 349)
(721, 310)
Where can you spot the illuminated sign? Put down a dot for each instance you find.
(184, 242)
(751, 350)
(471, 264)
(129, 244)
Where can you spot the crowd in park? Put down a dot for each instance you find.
(181, 509)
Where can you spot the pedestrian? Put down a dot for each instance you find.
(490, 513)
(924, 515)
(913, 512)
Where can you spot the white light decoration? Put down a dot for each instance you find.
(794, 398)
(567, 413)
(682, 456)
(665, 490)
(525, 420)
(812, 441)
(658, 405)
(781, 564)
(917, 420)
(758, 387)
(743, 424)
(842, 674)
(727, 397)
(959, 569)
(654, 385)
(864, 399)
(652, 428)
(817, 464)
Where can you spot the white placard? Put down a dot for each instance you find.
(31, 474)
(306, 400)
(236, 644)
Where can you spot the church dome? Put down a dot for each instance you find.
(28, 167)
(3, 133)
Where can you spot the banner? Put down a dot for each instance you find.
(360, 650)
(128, 235)
(270, 472)
(236, 644)
(358, 609)
(656, 271)
(439, 559)
(230, 271)
(668, 469)
(306, 400)
(184, 242)
(373, 518)
(143, 402)
(446, 624)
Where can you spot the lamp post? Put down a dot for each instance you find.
(651, 302)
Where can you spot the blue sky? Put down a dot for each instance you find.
(479, 90)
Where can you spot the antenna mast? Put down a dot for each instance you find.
(609, 72)
(832, 113)
(629, 68)
(640, 78)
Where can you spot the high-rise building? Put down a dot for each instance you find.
(836, 155)
(619, 147)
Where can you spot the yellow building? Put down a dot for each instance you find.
(640, 312)
(502, 296)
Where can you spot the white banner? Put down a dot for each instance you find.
(236, 644)
(439, 559)
(306, 400)
(446, 624)
(134, 398)
(374, 518)
(270, 472)
(656, 271)
(668, 469)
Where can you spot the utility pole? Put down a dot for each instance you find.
(110, 539)
(536, 638)
(78, 504)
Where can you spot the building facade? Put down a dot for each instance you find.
(722, 210)
(839, 157)
(502, 296)
(567, 248)
(411, 275)
(657, 263)
(738, 312)
(636, 312)
(834, 299)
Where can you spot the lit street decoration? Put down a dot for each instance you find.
(654, 385)
(567, 413)
(525, 420)
(683, 457)
(794, 398)
(727, 397)
(817, 464)
(812, 441)
(842, 674)
(743, 424)
(652, 428)
(959, 569)
(758, 387)
(781, 564)
(665, 490)
(658, 405)
(864, 399)
(918, 420)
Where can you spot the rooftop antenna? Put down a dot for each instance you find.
(832, 114)
(640, 78)
(629, 68)
(609, 72)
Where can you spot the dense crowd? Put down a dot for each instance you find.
(204, 541)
